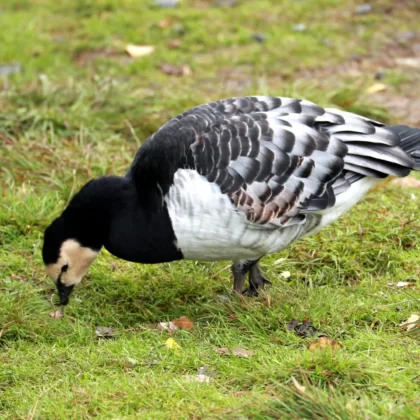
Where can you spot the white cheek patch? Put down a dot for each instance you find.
(77, 257)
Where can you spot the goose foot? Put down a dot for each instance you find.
(257, 280)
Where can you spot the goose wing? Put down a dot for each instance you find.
(276, 158)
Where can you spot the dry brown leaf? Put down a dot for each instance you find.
(172, 70)
(412, 322)
(299, 388)
(174, 43)
(375, 88)
(183, 323)
(164, 23)
(57, 314)
(240, 352)
(137, 51)
(405, 284)
(223, 351)
(325, 343)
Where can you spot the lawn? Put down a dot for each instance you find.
(74, 105)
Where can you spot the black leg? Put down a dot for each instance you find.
(257, 280)
(239, 271)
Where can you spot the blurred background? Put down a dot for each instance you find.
(82, 78)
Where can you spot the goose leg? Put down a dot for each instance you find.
(256, 278)
(239, 270)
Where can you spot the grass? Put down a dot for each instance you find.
(80, 108)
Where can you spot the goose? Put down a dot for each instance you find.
(235, 179)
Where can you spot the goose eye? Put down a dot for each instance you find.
(64, 268)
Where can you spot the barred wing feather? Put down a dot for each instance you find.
(277, 158)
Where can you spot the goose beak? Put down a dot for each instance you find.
(64, 292)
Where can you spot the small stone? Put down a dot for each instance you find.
(363, 9)
(259, 37)
(380, 74)
(300, 27)
(57, 314)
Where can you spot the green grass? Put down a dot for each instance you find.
(80, 108)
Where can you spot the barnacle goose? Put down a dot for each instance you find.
(234, 179)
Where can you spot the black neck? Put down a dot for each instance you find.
(110, 211)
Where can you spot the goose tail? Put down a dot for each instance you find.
(410, 142)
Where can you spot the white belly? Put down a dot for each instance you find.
(344, 202)
(208, 227)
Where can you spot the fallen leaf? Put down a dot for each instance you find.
(172, 70)
(402, 284)
(172, 344)
(407, 181)
(324, 343)
(305, 329)
(201, 377)
(299, 388)
(57, 314)
(137, 51)
(238, 351)
(164, 23)
(166, 326)
(409, 62)
(132, 363)
(375, 88)
(183, 323)
(300, 27)
(412, 322)
(292, 324)
(279, 261)
(174, 43)
(197, 378)
(238, 393)
(105, 332)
